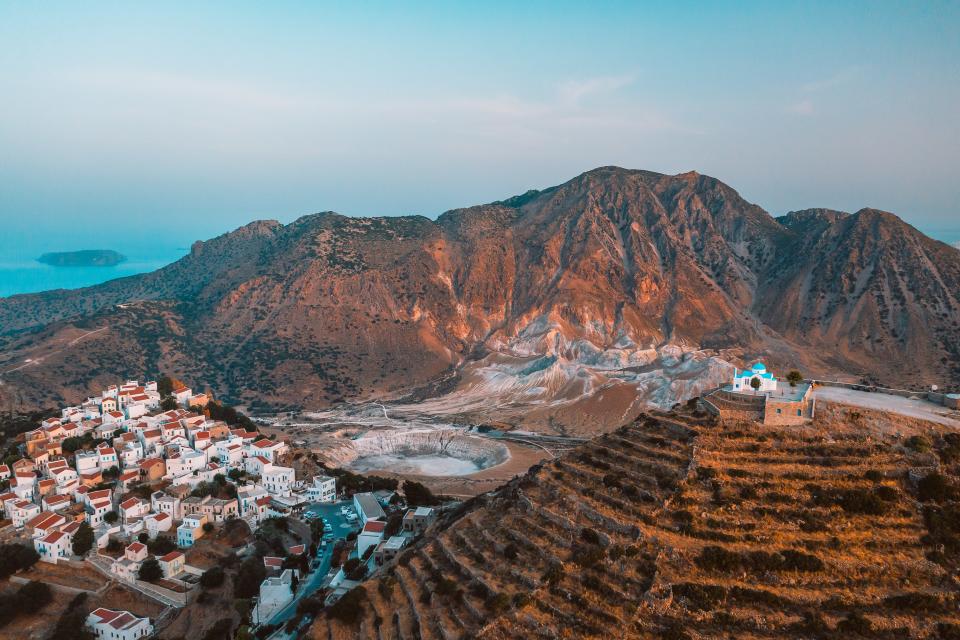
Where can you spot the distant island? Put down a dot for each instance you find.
(85, 258)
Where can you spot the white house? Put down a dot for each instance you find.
(370, 536)
(56, 502)
(367, 507)
(743, 380)
(22, 511)
(133, 508)
(172, 564)
(107, 624)
(95, 511)
(184, 462)
(278, 480)
(163, 503)
(156, 523)
(190, 530)
(86, 461)
(275, 593)
(53, 546)
(107, 457)
(269, 449)
(323, 489)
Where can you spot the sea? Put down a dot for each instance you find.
(21, 273)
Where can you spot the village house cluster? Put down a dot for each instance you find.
(84, 466)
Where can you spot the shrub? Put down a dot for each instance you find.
(920, 444)
(858, 501)
(497, 603)
(934, 487)
(418, 494)
(589, 535)
(249, 577)
(914, 601)
(150, 570)
(855, 623)
(83, 539)
(14, 557)
(587, 555)
(701, 597)
(510, 551)
(349, 608)
(212, 578)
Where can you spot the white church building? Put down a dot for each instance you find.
(742, 380)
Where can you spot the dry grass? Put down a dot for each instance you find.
(674, 527)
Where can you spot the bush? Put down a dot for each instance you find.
(700, 597)
(855, 623)
(160, 546)
(497, 603)
(589, 535)
(920, 444)
(212, 578)
(859, 501)
(72, 623)
(418, 495)
(249, 577)
(221, 630)
(587, 555)
(150, 570)
(349, 608)
(914, 601)
(14, 557)
(28, 599)
(934, 487)
(715, 558)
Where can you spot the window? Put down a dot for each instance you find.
(799, 412)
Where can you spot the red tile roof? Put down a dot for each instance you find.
(173, 555)
(374, 526)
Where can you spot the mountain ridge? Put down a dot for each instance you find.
(609, 266)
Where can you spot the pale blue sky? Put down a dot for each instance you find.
(180, 122)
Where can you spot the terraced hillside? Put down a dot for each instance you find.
(674, 527)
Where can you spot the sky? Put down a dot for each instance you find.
(126, 125)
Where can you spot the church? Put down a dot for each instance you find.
(742, 380)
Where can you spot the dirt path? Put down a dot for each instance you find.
(921, 409)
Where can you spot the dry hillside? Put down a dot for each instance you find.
(677, 527)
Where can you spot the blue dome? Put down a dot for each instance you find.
(758, 366)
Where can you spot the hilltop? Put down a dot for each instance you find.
(682, 527)
(639, 283)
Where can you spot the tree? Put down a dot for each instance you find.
(83, 539)
(207, 527)
(418, 495)
(249, 577)
(349, 608)
(111, 517)
(168, 404)
(14, 557)
(794, 378)
(150, 570)
(143, 538)
(755, 383)
(34, 596)
(69, 445)
(72, 624)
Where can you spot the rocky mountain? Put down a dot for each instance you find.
(587, 287)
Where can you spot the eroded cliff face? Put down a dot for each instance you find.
(595, 278)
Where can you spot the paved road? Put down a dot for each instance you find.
(317, 579)
(922, 409)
